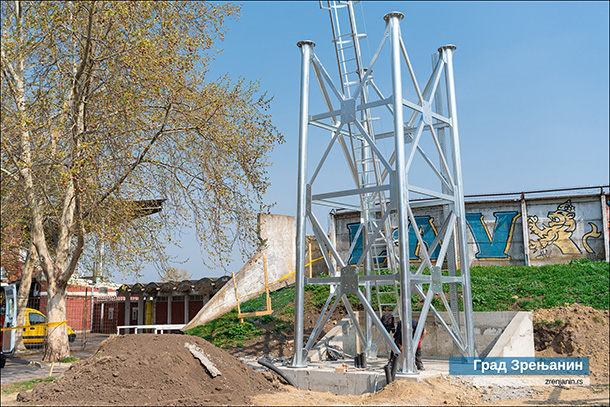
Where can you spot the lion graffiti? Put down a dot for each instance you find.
(559, 230)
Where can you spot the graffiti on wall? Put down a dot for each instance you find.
(494, 237)
(496, 246)
(489, 246)
(559, 232)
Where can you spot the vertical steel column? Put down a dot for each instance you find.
(454, 300)
(447, 53)
(524, 230)
(407, 364)
(604, 224)
(306, 52)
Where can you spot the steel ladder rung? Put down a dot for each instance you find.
(341, 42)
(353, 83)
(348, 47)
(343, 35)
(349, 72)
(348, 60)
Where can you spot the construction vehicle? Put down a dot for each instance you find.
(35, 331)
(8, 319)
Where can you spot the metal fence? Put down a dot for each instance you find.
(91, 318)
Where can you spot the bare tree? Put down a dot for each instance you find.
(174, 274)
(106, 106)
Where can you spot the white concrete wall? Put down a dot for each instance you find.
(278, 233)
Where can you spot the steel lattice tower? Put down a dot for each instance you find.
(383, 185)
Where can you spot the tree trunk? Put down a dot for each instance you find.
(57, 336)
(24, 295)
(22, 303)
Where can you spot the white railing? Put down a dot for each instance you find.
(156, 328)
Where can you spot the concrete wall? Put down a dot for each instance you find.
(557, 230)
(278, 234)
(504, 333)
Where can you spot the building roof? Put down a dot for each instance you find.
(204, 285)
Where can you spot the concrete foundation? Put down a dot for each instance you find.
(322, 376)
(498, 334)
(505, 333)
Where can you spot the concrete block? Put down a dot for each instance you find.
(278, 234)
(517, 338)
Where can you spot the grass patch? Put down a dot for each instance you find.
(550, 324)
(69, 359)
(11, 388)
(227, 330)
(494, 288)
(581, 281)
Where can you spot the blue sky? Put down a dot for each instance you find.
(531, 83)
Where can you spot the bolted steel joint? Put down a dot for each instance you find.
(393, 14)
(306, 42)
(448, 46)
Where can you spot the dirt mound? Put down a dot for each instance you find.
(576, 330)
(150, 370)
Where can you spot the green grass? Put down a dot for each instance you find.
(227, 330)
(494, 288)
(582, 281)
(21, 386)
(69, 359)
(550, 324)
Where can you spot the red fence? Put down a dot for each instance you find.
(102, 314)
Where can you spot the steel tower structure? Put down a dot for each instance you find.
(384, 189)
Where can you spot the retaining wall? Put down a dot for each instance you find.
(502, 333)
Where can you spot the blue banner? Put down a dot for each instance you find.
(517, 366)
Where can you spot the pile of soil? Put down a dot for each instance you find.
(151, 370)
(576, 330)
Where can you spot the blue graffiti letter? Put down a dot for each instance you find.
(428, 234)
(496, 248)
(353, 229)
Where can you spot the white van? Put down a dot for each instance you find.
(8, 317)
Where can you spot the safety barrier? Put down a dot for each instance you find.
(48, 324)
(268, 309)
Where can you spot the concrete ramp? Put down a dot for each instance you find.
(278, 232)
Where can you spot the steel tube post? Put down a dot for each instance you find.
(407, 364)
(605, 222)
(306, 52)
(526, 237)
(454, 300)
(447, 53)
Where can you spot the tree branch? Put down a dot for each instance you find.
(133, 166)
(85, 59)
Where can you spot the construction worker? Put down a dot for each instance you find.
(398, 341)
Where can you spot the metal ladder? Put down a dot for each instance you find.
(374, 205)
(347, 45)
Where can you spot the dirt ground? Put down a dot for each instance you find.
(444, 391)
(152, 370)
(575, 331)
(159, 370)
